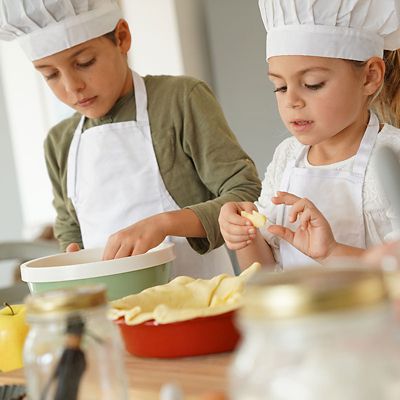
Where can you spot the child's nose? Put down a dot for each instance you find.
(73, 83)
(293, 100)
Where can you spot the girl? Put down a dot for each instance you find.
(142, 158)
(330, 63)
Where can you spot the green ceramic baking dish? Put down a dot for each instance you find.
(122, 276)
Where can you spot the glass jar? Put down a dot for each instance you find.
(313, 334)
(73, 351)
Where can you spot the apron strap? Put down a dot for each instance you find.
(366, 146)
(142, 115)
(73, 159)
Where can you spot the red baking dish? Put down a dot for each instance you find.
(199, 336)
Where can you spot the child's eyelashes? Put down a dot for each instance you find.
(283, 89)
(51, 76)
(280, 89)
(316, 86)
(86, 64)
(80, 65)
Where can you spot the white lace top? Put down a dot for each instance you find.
(378, 218)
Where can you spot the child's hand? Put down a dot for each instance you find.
(237, 231)
(386, 255)
(135, 239)
(313, 236)
(72, 247)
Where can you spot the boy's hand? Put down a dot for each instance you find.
(136, 239)
(237, 231)
(72, 247)
(313, 236)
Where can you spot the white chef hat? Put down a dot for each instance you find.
(45, 27)
(348, 29)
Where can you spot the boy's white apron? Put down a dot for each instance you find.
(337, 194)
(114, 181)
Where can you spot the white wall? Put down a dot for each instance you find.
(195, 48)
(155, 46)
(168, 37)
(10, 206)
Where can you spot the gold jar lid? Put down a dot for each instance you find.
(392, 279)
(307, 291)
(66, 300)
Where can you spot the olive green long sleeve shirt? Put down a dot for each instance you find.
(200, 161)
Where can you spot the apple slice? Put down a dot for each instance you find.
(257, 219)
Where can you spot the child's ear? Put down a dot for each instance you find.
(374, 75)
(123, 36)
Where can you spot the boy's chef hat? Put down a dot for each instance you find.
(348, 29)
(45, 27)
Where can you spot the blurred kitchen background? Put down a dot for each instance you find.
(219, 41)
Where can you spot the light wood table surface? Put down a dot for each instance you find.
(196, 376)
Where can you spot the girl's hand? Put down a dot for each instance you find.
(386, 255)
(136, 239)
(237, 231)
(313, 236)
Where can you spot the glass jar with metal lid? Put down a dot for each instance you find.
(73, 351)
(312, 334)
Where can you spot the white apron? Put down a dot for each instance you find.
(337, 194)
(113, 181)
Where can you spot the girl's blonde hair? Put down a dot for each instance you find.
(387, 103)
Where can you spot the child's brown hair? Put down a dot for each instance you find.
(387, 103)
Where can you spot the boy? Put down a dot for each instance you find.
(143, 158)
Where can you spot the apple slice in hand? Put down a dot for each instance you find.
(257, 219)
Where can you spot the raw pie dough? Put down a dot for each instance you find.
(183, 298)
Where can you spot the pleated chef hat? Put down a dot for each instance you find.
(45, 27)
(348, 29)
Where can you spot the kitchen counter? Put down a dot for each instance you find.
(196, 375)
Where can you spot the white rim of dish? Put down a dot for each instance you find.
(32, 272)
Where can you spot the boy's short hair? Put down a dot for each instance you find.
(111, 36)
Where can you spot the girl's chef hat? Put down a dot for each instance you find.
(348, 29)
(45, 27)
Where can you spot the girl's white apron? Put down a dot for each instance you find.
(114, 181)
(338, 194)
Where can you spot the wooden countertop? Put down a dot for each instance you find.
(196, 376)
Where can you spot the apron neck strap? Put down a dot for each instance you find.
(140, 98)
(366, 146)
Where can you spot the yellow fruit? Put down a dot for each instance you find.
(257, 219)
(13, 330)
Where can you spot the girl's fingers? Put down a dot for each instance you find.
(237, 238)
(237, 230)
(285, 198)
(305, 218)
(299, 207)
(238, 245)
(237, 219)
(282, 232)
